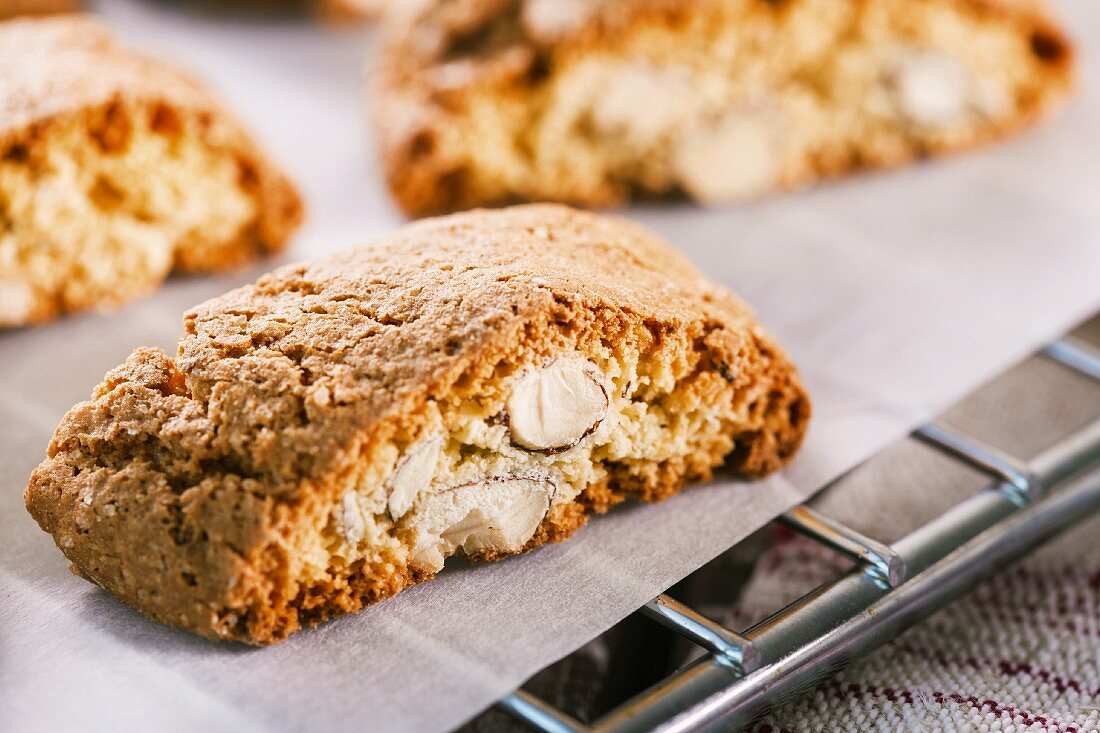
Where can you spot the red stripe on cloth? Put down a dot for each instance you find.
(1077, 588)
(1045, 575)
(1084, 606)
(857, 691)
(1000, 710)
(1061, 684)
(993, 613)
(1007, 667)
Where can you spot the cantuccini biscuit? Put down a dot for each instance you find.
(476, 384)
(482, 102)
(116, 169)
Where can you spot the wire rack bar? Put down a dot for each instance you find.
(711, 635)
(539, 714)
(879, 559)
(983, 457)
(818, 634)
(1075, 354)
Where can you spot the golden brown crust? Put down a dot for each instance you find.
(440, 63)
(337, 13)
(342, 12)
(181, 486)
(14, 8)
(66, 76)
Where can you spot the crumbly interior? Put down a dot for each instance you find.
(725, 100)
(663, 418)
(97, 207)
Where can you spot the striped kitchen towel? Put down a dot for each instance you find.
(1021, 653)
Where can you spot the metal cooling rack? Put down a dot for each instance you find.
(745, 674)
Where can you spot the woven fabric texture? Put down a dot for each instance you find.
(1021, 653)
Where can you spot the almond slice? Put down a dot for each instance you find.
(930, 89)
(552, 408)
(735, 157)
(349, 518)
(413, 474)
(497, 514)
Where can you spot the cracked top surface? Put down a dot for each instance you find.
(278, 379)
(291, 368)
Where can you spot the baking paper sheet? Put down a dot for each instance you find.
(895, 293)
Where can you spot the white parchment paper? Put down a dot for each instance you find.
(895, 293)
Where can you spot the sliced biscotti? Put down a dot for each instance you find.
(476, 384)
(593, 101)
(116, 169)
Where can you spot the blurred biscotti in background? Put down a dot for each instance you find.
(13, 8)
(595, 101)
(116, 169)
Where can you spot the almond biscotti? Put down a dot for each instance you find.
(476, 384)
(594, 101)
(116, 169)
